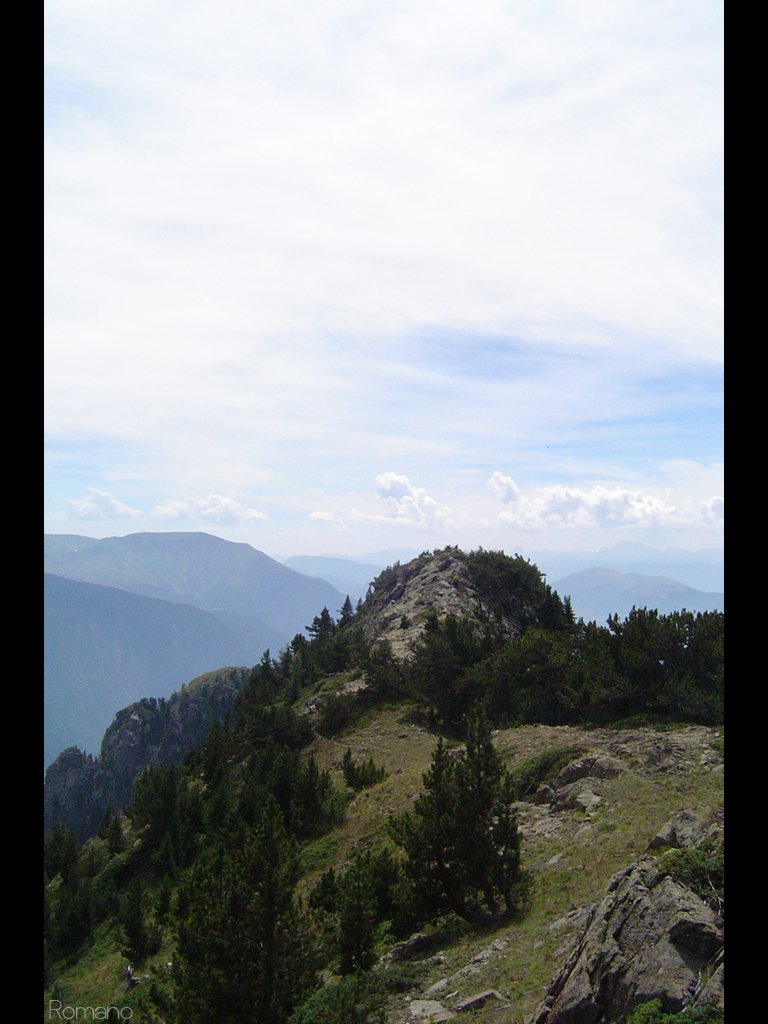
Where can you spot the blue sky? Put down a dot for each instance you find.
(339, 276)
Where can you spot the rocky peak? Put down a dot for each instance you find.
(79, 789)
(450, 582)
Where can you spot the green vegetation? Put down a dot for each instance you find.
(701, 869)
(461, 840)
(360, 776)
(542, 768)
(653, 1013)
(230, 865)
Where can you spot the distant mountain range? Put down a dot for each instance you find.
(349, 577)
(702, 570)
(105, 648)
(138, 616)
(197, 569)
(597, 592)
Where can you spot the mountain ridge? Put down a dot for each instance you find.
(586, 724)
(195, 568)
(599, 591)
(105, 648)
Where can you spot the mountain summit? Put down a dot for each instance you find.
(487, 587)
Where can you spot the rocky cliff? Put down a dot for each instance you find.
(489, 588)
(80, 788)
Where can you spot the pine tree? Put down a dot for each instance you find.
(242, 956)
(357, 917)
(461, 840)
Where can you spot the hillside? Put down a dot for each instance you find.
(594, 820)
(80, 789)
(105, 648)
(374, 838)
(197, 569)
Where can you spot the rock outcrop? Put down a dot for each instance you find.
(452, 582)
(650, 937)
(79, 788)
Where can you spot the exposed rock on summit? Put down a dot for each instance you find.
(453, 582)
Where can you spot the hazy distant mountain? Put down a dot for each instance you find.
(597, 593)
(152, 611)
(349, 577)
(702, 569)
(197, 569)
(105, 648)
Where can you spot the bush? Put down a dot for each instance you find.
(353, 1000)
(543, 768)
(653, 1013)
(702, 869)
(335, 716)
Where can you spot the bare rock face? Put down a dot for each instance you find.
(648, 938)
(578, 783)
(405, 593)
(401, 597)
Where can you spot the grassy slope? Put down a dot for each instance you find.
(573, 855)
(572, 864)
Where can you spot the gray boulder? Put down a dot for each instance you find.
(648, 938)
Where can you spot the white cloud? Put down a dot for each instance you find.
(172, 509)
(597, 506)
(406, 505)
(328, 516)
(504, 487)
(219, 509)
(102, 505)
(714, 509)
(253, 209)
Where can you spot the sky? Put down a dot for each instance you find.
(339, 276)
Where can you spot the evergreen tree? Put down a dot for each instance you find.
(141, 939)
(462, 840)
(347, 612)
(357, 917)
(242, 956)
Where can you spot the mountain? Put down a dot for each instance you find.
(105, 648)
(138, 616)
(702, 569)
(79, 789)
(196, 569)
(349, 577)
(322, 848)
(597, 592)
(483, 586)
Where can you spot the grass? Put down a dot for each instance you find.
(571, 860)
(571, 865)
(97, 977)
